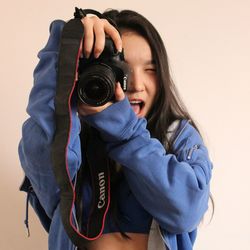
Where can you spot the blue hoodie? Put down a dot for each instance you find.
(178, 183)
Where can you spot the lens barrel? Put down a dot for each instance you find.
(96, 85)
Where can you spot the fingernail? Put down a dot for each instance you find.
(87, 54)
(97, 55)
(118, 85)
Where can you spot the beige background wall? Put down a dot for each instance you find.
(208, 45)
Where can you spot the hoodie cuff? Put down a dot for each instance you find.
(118, 122)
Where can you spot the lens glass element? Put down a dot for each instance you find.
(95, 90)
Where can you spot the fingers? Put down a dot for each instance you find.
(119, 94)
(114, 34)
(94, 35)
(99, 39)
(88, 41)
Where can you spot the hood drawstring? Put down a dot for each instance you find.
(26, 221)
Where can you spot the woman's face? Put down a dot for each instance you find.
(143, 85)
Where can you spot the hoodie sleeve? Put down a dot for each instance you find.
(38, 131)
(174, 189)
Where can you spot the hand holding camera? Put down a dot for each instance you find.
(102, 73)
(94, 35)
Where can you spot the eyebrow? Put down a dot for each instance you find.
(146, 63)
(149, 62)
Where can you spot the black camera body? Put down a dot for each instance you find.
(97, 76)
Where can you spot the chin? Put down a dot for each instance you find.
(141, 114)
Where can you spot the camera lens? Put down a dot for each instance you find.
(95, 90)
(96, 85)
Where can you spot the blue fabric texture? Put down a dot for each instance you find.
(171, 188)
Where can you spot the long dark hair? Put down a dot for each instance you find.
(168, 105)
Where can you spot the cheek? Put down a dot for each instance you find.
(153, 89)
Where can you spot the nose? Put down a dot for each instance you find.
(136, 81)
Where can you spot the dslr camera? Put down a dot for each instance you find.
(97, 76)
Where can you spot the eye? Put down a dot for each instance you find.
(150, 70)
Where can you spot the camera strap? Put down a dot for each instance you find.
(69, 53)
(80, 13)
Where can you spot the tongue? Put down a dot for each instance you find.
(136, 108)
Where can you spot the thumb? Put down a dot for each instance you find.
(119, 93)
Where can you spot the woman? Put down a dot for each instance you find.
(164, 172)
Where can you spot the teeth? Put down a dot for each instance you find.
(135, 102)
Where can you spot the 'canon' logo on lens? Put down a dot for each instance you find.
(101, 202)
(125, 78)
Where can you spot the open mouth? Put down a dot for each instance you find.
(137, 106)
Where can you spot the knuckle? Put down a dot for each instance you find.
(117, 36)
(85, 19)
(95, 18)
(99, 23)
(105, 21)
